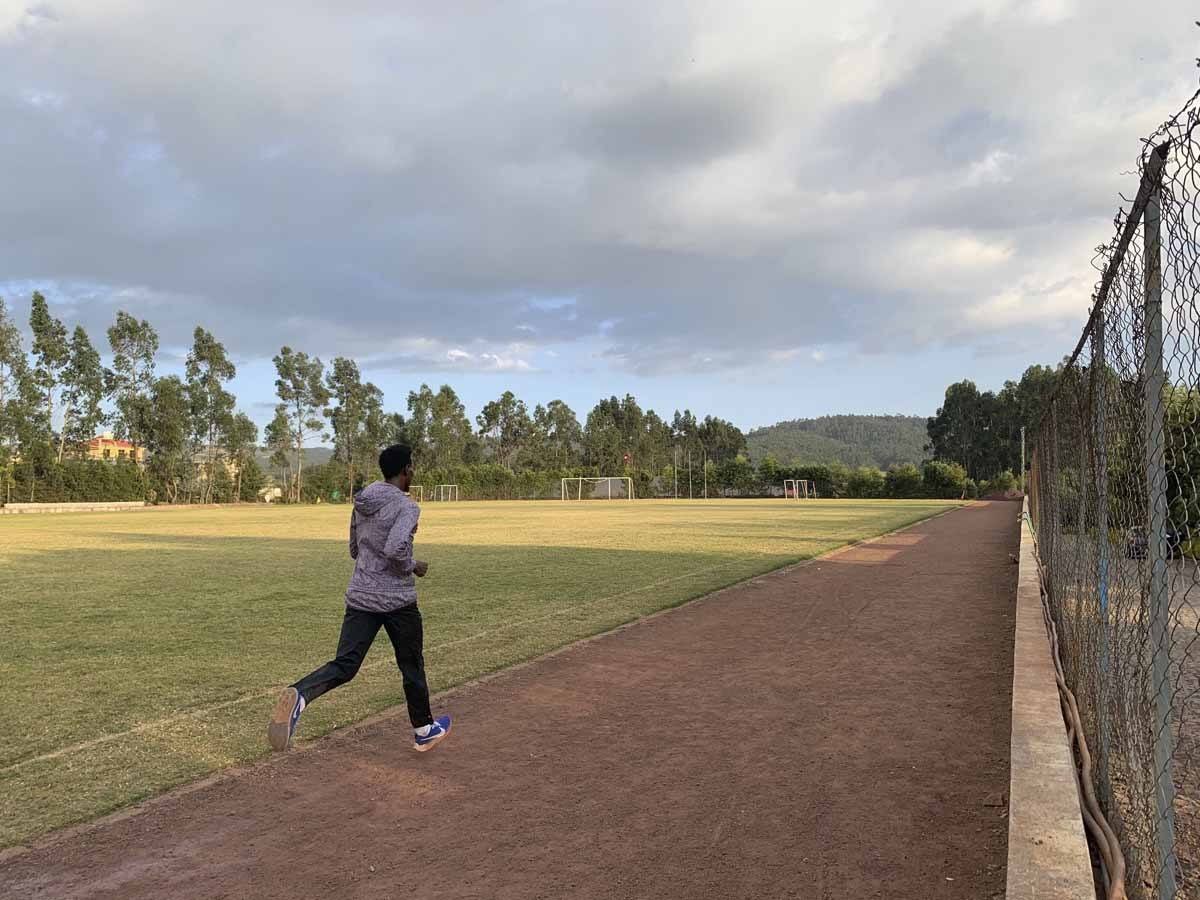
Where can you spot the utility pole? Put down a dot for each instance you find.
(705, 473)
(691, 496)
(675, 473)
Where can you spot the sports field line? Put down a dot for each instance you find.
(200, 712)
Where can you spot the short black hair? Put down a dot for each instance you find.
(394, 460)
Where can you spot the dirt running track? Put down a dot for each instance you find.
(839, 730)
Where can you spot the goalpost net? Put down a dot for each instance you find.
(799, 489)
(445, 492)
(605, 488)
(417, 492)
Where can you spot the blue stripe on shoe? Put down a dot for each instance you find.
(440, 727)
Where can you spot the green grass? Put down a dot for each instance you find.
(143, 650)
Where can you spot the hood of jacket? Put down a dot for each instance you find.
(377, 497)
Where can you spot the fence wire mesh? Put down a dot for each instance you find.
(1114, 501)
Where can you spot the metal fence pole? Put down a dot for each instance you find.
(1156, 489)
(1103, 546)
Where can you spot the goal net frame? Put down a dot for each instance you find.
(577, 483)
(417, 492)
(445, 492)
(799, 489)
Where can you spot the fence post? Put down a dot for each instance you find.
(1156, 491)
(1103, 547)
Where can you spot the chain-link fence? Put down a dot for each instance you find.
(1113, 497)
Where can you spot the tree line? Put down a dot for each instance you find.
(58, 395)
(199, 448)
(981, 430)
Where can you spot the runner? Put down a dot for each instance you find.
(382, 594)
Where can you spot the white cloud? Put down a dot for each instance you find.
(995, 168)
(423, 185)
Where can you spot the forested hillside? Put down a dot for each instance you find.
(879, 441)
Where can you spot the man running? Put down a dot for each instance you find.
(382, 594)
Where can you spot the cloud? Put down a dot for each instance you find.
(691, 187)
(424, 355)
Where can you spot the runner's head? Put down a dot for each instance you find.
(397, 466)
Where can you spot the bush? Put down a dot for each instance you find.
(903, 482)
(253, 481)
(1003, 483)
(76, 481)
(865, 482)
(944, 480)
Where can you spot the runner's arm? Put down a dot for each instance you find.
(399, 545)
(353, 535)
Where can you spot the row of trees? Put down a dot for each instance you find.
(618, 437)
(981, 431)
(200, 448)
(54, 399)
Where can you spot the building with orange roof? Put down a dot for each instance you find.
(106, 448)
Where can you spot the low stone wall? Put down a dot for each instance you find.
(1047, 852)
(15, 509)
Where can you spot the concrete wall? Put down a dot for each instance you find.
(1047, 852)
(13, 509)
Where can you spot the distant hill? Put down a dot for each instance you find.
(879, 441)
(313, 456)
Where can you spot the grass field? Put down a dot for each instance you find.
(143, 650)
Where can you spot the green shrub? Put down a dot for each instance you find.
(944, 480)
(903, 482)
(865, 482)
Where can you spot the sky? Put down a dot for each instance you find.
(757, 210)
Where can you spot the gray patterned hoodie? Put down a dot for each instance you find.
(381, 544)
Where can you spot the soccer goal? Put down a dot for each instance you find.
(607, 488)
(446, 492)
(417, 492)
(798, 489)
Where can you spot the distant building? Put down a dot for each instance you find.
(107, 448)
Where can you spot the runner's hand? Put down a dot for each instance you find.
(420, 567)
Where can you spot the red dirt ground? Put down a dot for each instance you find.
(837, 730)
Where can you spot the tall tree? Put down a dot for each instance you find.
(438, 427)
(506, 426)
(956, 432)
(208, 369)
(83, 393)
(357, 418)
(656, 446)
(166, 435)
(374, 435)
(131, 379)
(721, 440)
(302, 396)
(12, 357)
(278, 439)
(239, 435)
(982, 431)
(558, 435)
(13, 392)
(613, 434)
(395, 429)
(51, 353)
